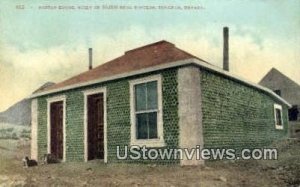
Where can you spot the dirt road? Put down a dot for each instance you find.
(284, 172)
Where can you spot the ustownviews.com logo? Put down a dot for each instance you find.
(135, 152)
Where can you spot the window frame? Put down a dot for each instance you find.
(277, 106)
(159, 141)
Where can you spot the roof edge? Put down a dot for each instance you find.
(273, 69)
(148, 45)
(118, 76)
(243, 80)
(191, 61)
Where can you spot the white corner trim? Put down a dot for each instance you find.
(159, 142)
(190, 112)
(49, 101)
(85, 126)
(34, 127)
(190, 61)
(277, 106)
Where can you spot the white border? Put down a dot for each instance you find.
(190, 61)
(86, 94)
(49, 101)
(159, 142)
(277, 106)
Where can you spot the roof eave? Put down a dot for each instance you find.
(118, 76)
(240, 79)
(191, 61)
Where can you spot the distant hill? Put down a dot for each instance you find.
(20, 113)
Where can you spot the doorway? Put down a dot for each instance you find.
(95, 126)
(56, 129)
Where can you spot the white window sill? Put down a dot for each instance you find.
(280, 127)
(148, 143)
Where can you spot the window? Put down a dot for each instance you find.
(293, 113)
(278, 92)
(278, 116)
(146, 112)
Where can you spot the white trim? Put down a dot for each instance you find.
(190, 115)
(277, 106)
(34, 126)
(49, 101)
(159, 142)
(86, 94)
(193, 61)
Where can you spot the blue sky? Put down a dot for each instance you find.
(34, 28)
(51, 45)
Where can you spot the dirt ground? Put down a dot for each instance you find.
(283, 172)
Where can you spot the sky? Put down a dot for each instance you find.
(38, 45)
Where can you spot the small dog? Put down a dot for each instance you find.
(50, 159)
(29, 163)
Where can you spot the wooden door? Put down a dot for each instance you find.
(95, 127)
(56, 122)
